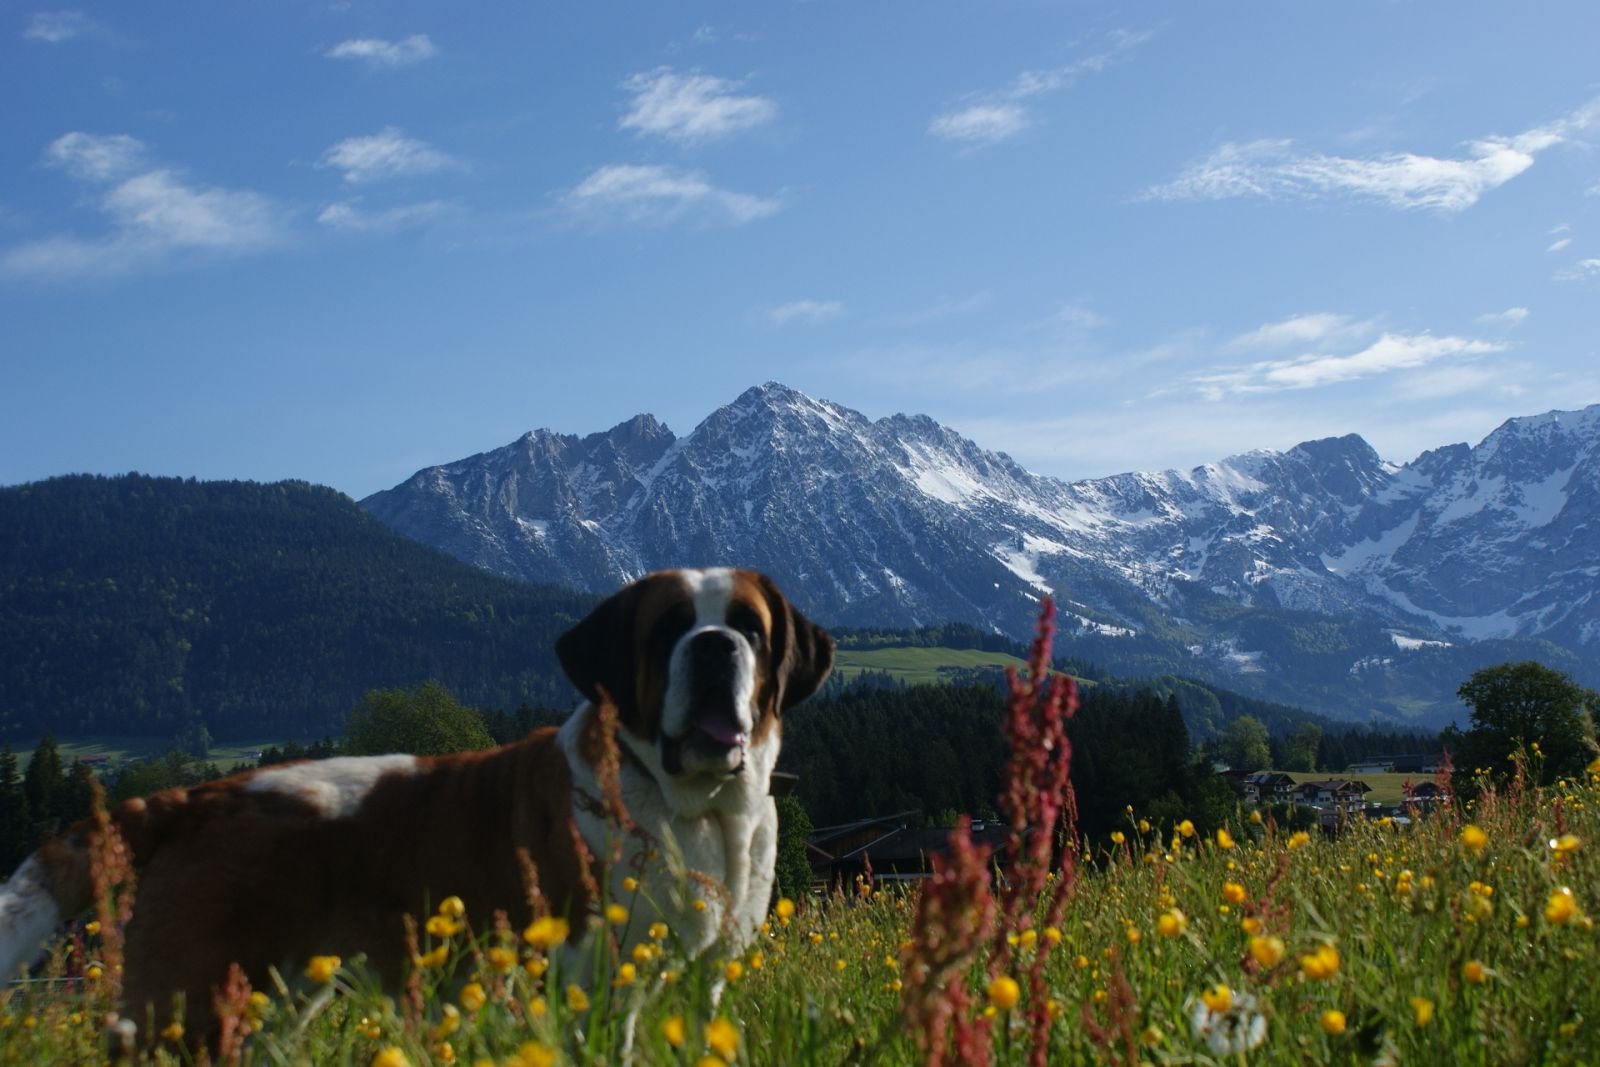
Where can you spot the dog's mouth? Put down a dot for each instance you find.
(715, 743)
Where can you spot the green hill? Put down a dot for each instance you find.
(142, 606)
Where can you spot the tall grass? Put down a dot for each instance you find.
(1462, 938)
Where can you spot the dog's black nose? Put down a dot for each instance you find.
(712, 656)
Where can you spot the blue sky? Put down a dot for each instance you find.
(343, 241)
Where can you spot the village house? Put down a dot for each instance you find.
(1266, 787)
(1337, 795)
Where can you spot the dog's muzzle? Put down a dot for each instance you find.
(715, 737)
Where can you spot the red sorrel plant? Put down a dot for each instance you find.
(956, 911)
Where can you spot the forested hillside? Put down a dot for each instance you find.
(156, 606)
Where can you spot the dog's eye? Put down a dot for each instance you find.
(748, 624)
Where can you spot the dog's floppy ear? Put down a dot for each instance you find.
(599, 651)
(803, 651)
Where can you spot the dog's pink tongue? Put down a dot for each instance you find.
(722, 731)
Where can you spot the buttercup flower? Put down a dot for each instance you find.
(1004, 993)
(546, 933)
(1332, 1022)
(1473, 839)
(322, 968)
(722, 1037)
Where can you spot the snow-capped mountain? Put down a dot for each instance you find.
(1321, 575)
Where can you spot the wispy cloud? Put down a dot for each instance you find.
(54, 27)
(657, 194)
(944, 309)
(153, 215)
(1508, 317)
(992, 117)
(1582, 270)
(386, 154)
(384, 55)
(805, 311)
(690, 108)
(980, 123)
(351, 217)
(1276, 169)
(1310, 329)
(1391, 352)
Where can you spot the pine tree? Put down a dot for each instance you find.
(16, 824)
(42, 781)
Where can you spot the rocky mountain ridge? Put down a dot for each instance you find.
(902, 522)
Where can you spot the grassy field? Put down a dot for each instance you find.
(121, 749)
(1464, 939)
(916, 665)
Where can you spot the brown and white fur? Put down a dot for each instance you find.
(269, 867)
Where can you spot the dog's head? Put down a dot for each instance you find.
(700, 665)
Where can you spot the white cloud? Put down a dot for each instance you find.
(1274, 169)
(1389, 353)
(378, 53)
(649, 193)
(349, 216)
(386, 154)
(1558, 245)
(95, 157)
(153, 215)
(1579, 271)
(989, 118)
(806, 311)
(1298, 330)
(53, 27)
(1078, 317)
(980, 123)
(1508, 317)
(691, 108)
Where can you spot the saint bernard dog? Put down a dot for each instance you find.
(272, 866)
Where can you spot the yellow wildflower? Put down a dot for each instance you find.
(658, 931)
(1052, 935)
(616, 914)
(722, 1037)
(627, 974)
(784, 909)
(1172, 923)
(1004, 992)
(1118, 837)
(546, 933)
(577, 999)
(1218, 999)
(630, 884)
(734, 970)
(442, 926)
(1298, 839)
(501, 959)
(1562, 907)
(1250, 925)
(1332, 1022)
(322, 968)
(1224, 839)
(173, 1031)
(1565, 845)
(1233, 892)
(1474, 972)
(434, 957)
(1267, 951)
(1422, 1010)
(538, 1008)
(392, 1056)
(673, 1031)
(534, 1054)
(472, 996)
(1473, 839)
(452, 907)
(1323, 963)
(1186, 828)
